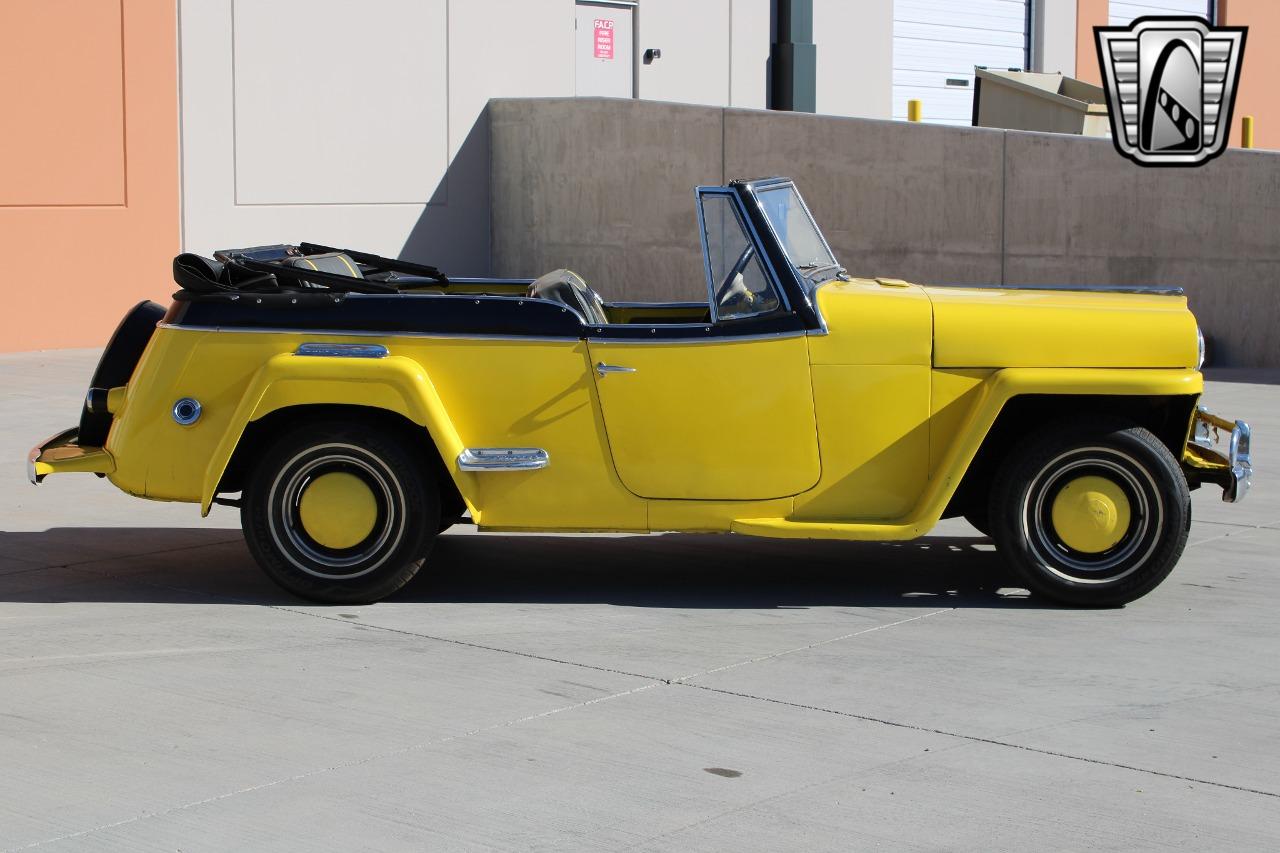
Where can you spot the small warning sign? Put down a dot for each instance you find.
(604, 38)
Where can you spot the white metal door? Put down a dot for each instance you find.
(1123, 13)
(605, 52)
(937, 43)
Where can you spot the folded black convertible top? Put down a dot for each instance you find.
(283, 268)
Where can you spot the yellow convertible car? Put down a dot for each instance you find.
(354, 406)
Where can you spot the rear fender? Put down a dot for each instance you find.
(395, 383)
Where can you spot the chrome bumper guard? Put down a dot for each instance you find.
(63, 454)
(1237, 466)
(63, 439)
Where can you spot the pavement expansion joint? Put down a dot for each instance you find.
(979, 739)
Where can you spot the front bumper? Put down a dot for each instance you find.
(63, 454)
(1205, 459)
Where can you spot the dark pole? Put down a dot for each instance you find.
(793, 57)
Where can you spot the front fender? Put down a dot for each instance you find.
(395, 383)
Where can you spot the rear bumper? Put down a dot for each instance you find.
(1205, 460)
(62, 454)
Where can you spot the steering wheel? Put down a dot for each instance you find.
(730, 288)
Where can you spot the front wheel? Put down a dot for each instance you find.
(1093, 513)
(340, 513)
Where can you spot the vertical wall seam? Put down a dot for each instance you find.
(182, 141)
(724, 169)
(235, 166)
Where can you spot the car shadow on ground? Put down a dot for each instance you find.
(699, 571)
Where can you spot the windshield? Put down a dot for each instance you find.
(799, 236)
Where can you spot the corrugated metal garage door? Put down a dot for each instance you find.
(936, 44)
(1123, 13)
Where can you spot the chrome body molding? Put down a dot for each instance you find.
(503, 459)
(721, 339)
(602, 368)
(343, 350)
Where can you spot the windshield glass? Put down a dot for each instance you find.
(799, 236)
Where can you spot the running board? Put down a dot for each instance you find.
(784, 528)
(503, 459)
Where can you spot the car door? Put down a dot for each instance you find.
(720, 410)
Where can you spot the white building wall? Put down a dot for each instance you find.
(693, 38)
(749, 53)
(855, 57)
(360, 125)
(355, 126)
(1053, 38)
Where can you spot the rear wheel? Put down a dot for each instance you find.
(979, 518)
(340, 512)
(1093, 513)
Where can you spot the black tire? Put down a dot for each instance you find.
(404, 507)
(452, 507)
(979, 518)
(1111, 480)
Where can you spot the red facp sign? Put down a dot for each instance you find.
(604, 38)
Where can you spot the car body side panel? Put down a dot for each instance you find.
(482, 392)
(991, 396)
(156, 458)
(710, 419)
(516, 393)
(954, 393)
(870, 322)
(874, 434)
(1046, 328)
(871, 392)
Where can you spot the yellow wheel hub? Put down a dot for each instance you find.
(1091, 514)
(338, 510)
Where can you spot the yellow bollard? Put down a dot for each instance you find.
(1246, 132)
(913, 110)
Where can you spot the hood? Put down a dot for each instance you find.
(999, 327)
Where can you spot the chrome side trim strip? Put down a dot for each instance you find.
(723, 339)
(343, 350)
(503, 459)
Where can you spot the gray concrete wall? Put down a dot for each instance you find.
(606, 187)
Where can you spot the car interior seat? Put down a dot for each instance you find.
(337, 263)
(568, 288)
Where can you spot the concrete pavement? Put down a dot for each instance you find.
(629, 692)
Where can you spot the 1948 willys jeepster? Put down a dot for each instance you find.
(358, 406)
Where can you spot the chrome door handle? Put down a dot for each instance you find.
(602, 368)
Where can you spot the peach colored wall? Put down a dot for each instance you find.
(89, 215)
(1258, 96)
(1089, 14)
